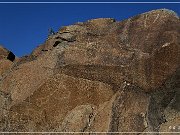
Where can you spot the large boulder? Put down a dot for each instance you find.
(52, 105)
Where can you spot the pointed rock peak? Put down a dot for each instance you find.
(3, 52)
(164, 12)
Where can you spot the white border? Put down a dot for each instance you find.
(63, 2)
(28, 2)
(86, 132)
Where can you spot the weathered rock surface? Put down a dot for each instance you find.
(6, 60)
(98, 76)
(52, 101)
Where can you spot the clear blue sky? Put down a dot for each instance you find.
(25, 26)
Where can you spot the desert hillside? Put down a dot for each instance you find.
(101, 75)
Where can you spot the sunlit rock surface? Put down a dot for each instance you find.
(97, 76)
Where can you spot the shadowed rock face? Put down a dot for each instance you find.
(98, 76)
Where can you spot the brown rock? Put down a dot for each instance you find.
(3, 53)
(6, 60)
(56, 102)
(27, 77)
(171, 126)
(147, 63)
(78, 119)
(97, 76)
(5, 65)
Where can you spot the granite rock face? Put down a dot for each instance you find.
(97, 76)
(6, 59)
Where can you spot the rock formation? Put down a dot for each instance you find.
(98, 76)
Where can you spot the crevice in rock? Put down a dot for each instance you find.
(68, 40)
(11, 56)
(115, 115)
(56, 43)
(44, 50)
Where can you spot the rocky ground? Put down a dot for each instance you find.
(97, 76)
